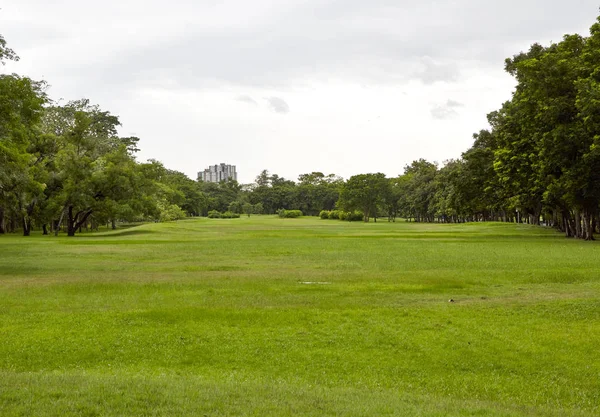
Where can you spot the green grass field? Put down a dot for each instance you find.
(271, 317)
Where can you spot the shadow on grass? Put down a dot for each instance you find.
(121, 233)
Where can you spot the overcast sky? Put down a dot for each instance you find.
(337, 86)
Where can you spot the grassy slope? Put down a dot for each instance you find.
(215, 317)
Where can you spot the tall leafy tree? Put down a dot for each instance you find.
(21, 105)
(364, 192)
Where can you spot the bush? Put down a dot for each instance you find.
(170, 213)
(351, 216)
(289, 214)
(293, 214)
(214, 214)
(230, 215)
(355, 216)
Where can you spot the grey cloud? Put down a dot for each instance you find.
(278, 105)
(434, 71)
(247, 99)
(380, 41)
(446, 111)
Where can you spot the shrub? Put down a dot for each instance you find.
(324, 214)
(230, 215)
(334, 215)
(293, 214)
(214, 214)
(355, 216)
(170, 213)
(289, 214)
(343, 215)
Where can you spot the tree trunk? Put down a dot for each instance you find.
(45, 229)
(59, 222)
(588, 230)
(77, 221)
(113, 224)
(26, 226)
(70, 222)
(578, 232)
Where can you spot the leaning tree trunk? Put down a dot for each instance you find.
(26, 226)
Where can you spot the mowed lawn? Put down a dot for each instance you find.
(300, 317)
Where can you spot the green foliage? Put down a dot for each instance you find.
(236, 207)
(21, 175)
(289, 214)
(214, 214)
(248, 209)
(171, 212)
(334, 214)
(258, 208)
(351, 216)
(355, 216)
(364, 192)
(230, 215)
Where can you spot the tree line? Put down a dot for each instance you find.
(66, 167)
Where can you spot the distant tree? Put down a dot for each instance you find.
(248, 209)
(391, 198)
(421, 189)
(364, 192)
(316, 192)
(235, 207)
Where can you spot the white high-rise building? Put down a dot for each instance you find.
(218, 173)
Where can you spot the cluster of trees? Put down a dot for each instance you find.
(65, 167)
(538, 162)
(271, 193)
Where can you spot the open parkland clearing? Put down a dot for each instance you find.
(264, 316)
